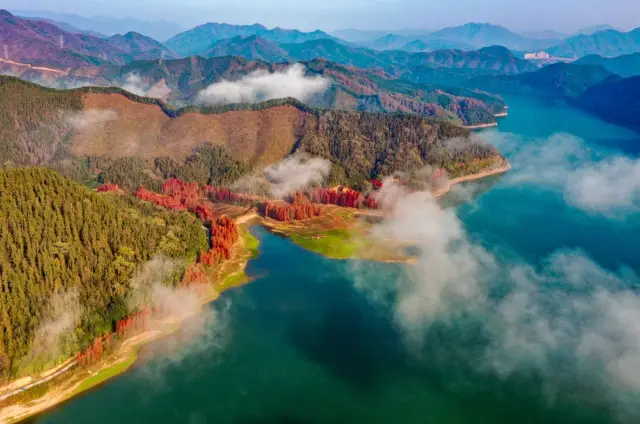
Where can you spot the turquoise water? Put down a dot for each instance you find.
(301, 344)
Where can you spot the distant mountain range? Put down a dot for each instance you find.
(199, 40)
(350, 88)
(43, 43)
(625, 66)
(159, 30)
(398, 62)
(609, 43)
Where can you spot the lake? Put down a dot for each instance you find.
(306, 343)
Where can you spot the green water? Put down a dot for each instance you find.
(301, 344)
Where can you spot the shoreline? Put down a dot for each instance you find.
(471, 177)
(126, 354)
(481, 126)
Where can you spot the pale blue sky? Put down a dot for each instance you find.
(519, 15)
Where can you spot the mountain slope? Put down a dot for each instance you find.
(483, 35)
(615, 100)
(42, 43)
(77, 272)
(140, 47)
(252, 47)
(65, 26)
(557, 81)
(254, 134)
(625, 66)
(608, 43)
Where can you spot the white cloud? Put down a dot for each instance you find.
(605, 185)
(295, 173)
(89, 118)
(136, 85)
(567, 316)
(262, 85)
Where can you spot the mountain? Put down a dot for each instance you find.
(625, 66)
(140, 47)
(159, 30)
(608, 43)
(65, 26)
(357, 35)
(335, 52)
(548, 34)
(480, 35)
(593, 29)
(198, 40)
(42, 43)
(557, 81)
(361, 89)
(615, 100)
(388, 42)
(492, 60)
(252, 47)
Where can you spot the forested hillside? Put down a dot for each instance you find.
(67, 257)
(134, 141)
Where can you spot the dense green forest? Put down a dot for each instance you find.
(61, 242)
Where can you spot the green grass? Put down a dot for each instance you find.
(234, 280)
(106, 374)
(337, 244)
(250, 242)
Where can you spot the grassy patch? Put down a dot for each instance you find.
(106, 374)
(234, 280)
(337, 244)
(250, 242)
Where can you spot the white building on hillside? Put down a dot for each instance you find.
(537, 56)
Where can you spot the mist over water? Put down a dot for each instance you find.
(314, 340)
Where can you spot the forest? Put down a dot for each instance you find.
(64, 249)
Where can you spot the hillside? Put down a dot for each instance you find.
(557, 81)
(74, 273)
(608, 43)
(625, 66)
(139, 47)
(251, 47)
(615, 100)
(253, 134)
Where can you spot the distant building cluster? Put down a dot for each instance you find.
(537, 56)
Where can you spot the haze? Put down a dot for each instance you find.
(520, 15)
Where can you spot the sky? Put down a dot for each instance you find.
(519, 15)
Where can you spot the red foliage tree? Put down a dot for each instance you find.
(104, 188)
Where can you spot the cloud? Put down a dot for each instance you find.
(201, 328)
(589, 180)
(296, 173)
(61, 316)
(261, 86)
(567, 320)
(89, 118)
(136, 85)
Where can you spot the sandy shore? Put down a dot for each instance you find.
(452, 182)
(480, 126)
